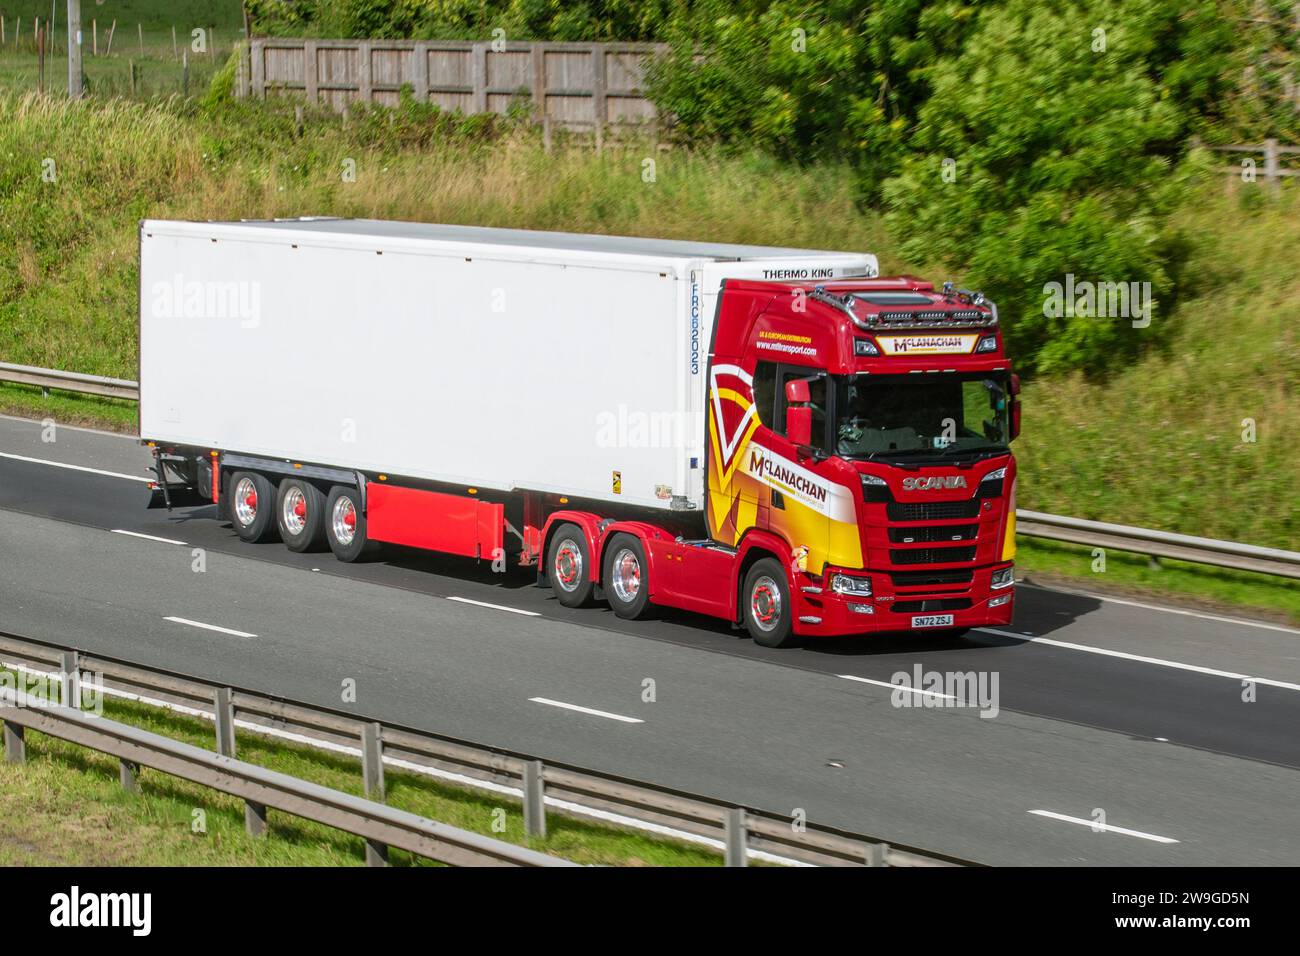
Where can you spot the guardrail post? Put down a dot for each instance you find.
(15, 743)
(372, 769)
(875, 854)
(534, 799)
(254, 818)
(126, 775)
(69, 680)
(225, 714)
(224, 711)
(736, 838)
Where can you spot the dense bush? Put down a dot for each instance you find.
(1067, 127)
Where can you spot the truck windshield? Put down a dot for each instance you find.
(939, 416)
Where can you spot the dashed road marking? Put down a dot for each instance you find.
(586, 710)
(1103, 827)
(209, 627)
(882, 683)
(495, 607)
(147, 537)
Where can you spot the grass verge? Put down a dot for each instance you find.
(68, 408)
(65, 806)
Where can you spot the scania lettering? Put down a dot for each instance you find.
(839, 464)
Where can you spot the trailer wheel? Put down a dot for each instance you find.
(251, 506)
(626, 581)
(568, 566)
(766, 605)
(300, 513)
(345, 524)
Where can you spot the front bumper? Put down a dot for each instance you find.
(828, 614)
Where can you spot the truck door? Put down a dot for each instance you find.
(798, 492)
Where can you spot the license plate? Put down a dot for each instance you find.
(932, 620)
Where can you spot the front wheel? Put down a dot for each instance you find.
(766, 606)
(568, 566)
(625, 580)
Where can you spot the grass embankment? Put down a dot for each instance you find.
(1158, 444)
(65, 806)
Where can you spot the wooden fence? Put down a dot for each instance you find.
(1268, 161)
(571, 85)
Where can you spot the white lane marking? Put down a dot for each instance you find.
(208, 627)
(1104, 827)
(147, 537)
(61, 464)
(910, 690)
(1124, 655)
(495, 607)
(586, 710)
(1168, 610)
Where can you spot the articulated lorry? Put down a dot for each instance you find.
(776, 437)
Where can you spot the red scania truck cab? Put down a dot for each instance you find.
(775, 437)
(863, 427)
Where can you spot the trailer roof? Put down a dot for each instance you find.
(527, 238)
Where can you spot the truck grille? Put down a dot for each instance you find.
(930, 605)
(917, 579)
(932, 555)
(932, 510)
(950, 532)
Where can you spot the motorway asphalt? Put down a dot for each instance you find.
(1105, 705)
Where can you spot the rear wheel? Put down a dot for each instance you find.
(568, 566)
(766, 605)
(300, 513)
(625, 580)
(251, 506)
(345, 524)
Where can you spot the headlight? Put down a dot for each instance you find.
(987, 344)
(875, 490)
(991, 484)
(1004, 578)
(847, 584)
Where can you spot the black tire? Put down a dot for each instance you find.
(343, 501)
(203, 479)
(300, 514)
(251, 506)
(626, 577)
(765, 605)
(568, 566)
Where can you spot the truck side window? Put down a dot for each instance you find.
(765, 393)
(816, 391)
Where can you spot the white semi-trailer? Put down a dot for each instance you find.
(489, 391)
